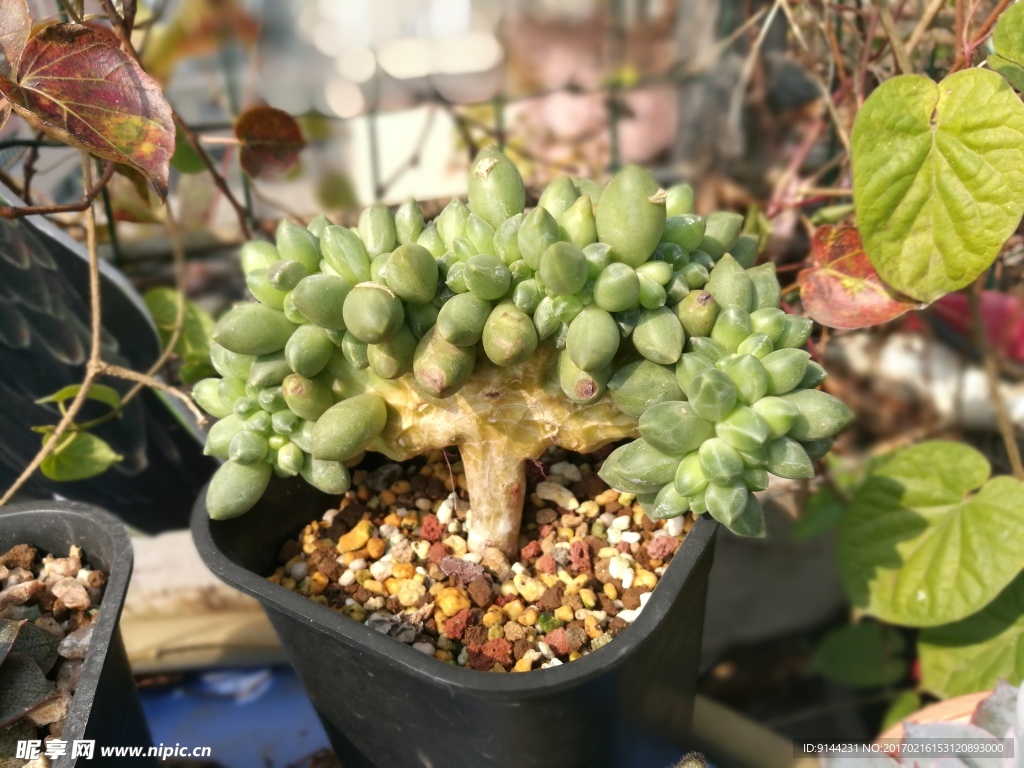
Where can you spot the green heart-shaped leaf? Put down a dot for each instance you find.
(1014, 73)
(938, 178)
(864, 655)
(99, 392)
(1008, 38)
(916, 547)
(972, 654)
(79, 456)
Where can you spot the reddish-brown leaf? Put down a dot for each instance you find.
(75, 86)
(271, 141)
(841, 289)
(15, 28)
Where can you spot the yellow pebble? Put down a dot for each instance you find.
(523, 665)
(319, 599)
(528, 617)
(387, 497)
(448, 485)
(549, 579)
(588, 597)
(493, 618)
(531, 589)
(375, 548)
(645, 578)
(288, 582)
(317, 583)
(508, 588)
(410, 520)
(565, 533)
(513, 609)
(294, 560)
(450, 600)
(401, 486)
(592, 627)
(462, 482)
(374, 586)
(403, 570)
(393, 585)
(497, 668)
(607, 497)
(564, 577)
(574, 655)
(589, 509)
(363, 493)
(565, 613)
(440, 618)
(278, 575)
(442, 655)
(363, 576)
(309, 547)
(611, 592)
(393, 519)
(410, 593)
(437, 587)
(356, 538)
(457, 545)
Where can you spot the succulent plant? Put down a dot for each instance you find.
(601, 314)
(27, 653)
(953, 744)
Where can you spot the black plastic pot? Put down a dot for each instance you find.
(106, 706)
(385, 704)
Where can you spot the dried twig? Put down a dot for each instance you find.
(991, 363)
(899, 53)
(92, 366)
(923, 24)
(17, 212)
(145, 380)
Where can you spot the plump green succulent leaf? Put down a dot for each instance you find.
(929, 538)
(953, 154)
(193, 344)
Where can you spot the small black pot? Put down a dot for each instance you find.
(106, 706)
(387, 705)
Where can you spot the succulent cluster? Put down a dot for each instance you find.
(629, 294)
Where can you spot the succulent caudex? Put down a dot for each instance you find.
(601, 314)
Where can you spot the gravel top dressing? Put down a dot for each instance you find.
(394, 556)
(48, 608)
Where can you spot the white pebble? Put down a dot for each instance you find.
(350, 601)
(299, 571)
(628, 615)
(358, 564)
(329, 516)
(674, 526)
(533, 655)
(421, 548)
(557, 493)
(545, 650)
(644, 597)
(617, 567)
(347, 578)
(554, 663)
(660, 570)
(421, 570)
(567, 471)
(622, 522)
(387, 529)
(396, 537)
(425, 648)
(607, 518)
(472, 557)
(614, 535)
(445, 512)
(454, 526)
(374, 603)
(423, 505)
(380, 570)
(518, 568)
(601, 617)
(627, 579)
(631, 537)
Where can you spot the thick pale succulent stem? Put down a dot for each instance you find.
(500, 419)
(496, 475)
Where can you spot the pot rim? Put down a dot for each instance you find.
(118, 574)
(415, 663)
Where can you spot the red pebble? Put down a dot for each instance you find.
(661, 547)
(530, 551)
(456, 625)
(623, 547)
(499, 651)
(431, 528)
(502, 600)
(579, 556)
(546, 529)
(437, 552)
(547, 564)
(558, 641)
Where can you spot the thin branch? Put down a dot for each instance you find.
(144, 380)
(899, 53)
(121, 28)
(70, 10)
(989, 23)
(17, 212)
(991, 362)
(92, 366)
(923, 24)
(218, 180)
(29, 167)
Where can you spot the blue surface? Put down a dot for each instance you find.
(261, 718)
(249, 718)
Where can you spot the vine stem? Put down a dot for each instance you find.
(85, 204)
(991, 363)
(92, 367)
